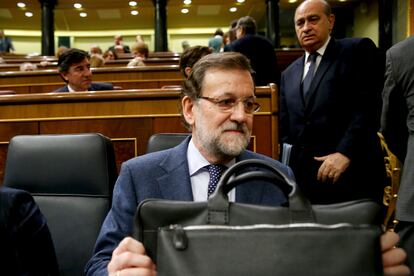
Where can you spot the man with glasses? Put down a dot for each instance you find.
(217, 105)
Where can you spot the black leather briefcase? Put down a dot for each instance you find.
(219, 237)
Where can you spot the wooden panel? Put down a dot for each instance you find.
(286, 57)
(123, 128)
(99, 74)
(3, 156)
(148, 62)
(128, 117)
(262, 131)
(10, 129)
(122, 84)
(125, 149)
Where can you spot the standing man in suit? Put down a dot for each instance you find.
(257, 49)
(216, 41)
(397, 126)
(6, 45)
(331, 115)
(74, 68)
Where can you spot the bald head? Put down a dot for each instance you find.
(313, 24)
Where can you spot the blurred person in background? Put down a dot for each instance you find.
(140, 52)
(118, 44)
(6, 44)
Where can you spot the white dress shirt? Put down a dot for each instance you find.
(200, 176)
(320, 52)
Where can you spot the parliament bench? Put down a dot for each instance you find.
(43, 81)
(127, 117)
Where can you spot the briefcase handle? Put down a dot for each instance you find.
(300, 209)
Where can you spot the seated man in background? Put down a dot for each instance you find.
(119, 41)
(26, 244)
(74, 68)
(190, 56)
(217, 105)
(27, 66)
(95, 49)
(140, 52)
(109, 55)
(96, 60)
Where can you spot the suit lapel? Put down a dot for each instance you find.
(325, 63)
(175, 183)
(295, 80)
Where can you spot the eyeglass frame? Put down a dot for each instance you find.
(217, 102)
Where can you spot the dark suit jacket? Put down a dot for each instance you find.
(126, 49)
(26, 245)
(340, 114)
(162, 174)
(397, 123)
(262, 56)
(6, 45)
(95, 86)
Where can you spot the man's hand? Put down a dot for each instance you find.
(333, 165)
(129, 258)
(393, 258)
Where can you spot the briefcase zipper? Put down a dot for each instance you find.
(263, 226)
(180, 239)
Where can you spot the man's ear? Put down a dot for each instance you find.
(187, 71)
(187, 105)
(64, 76)
(331, 20)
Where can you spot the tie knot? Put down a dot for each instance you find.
(312, 57)
(215, 170)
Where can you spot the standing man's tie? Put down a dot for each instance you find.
(309, 76)
(215, 173)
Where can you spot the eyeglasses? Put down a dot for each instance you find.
(228, 104)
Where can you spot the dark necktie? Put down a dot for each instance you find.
(309, 76)
(215, 173)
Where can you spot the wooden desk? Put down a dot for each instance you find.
(43, 81)
(128, 117)
(148, 62)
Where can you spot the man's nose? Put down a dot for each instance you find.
(306, 26)
(87, 72)
(239, 113)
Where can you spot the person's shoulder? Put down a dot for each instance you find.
(356, 42)
(403, 46)
(62, 89)
(11, 194)
(101, 86)
(293, 66)
(16, 203)
(253, 155)
(155, 159)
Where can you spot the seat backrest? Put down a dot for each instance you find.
(162, 141)
(71, 178)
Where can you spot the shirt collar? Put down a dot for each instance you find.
(196, 160)
(73, 90)
(321, 50)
